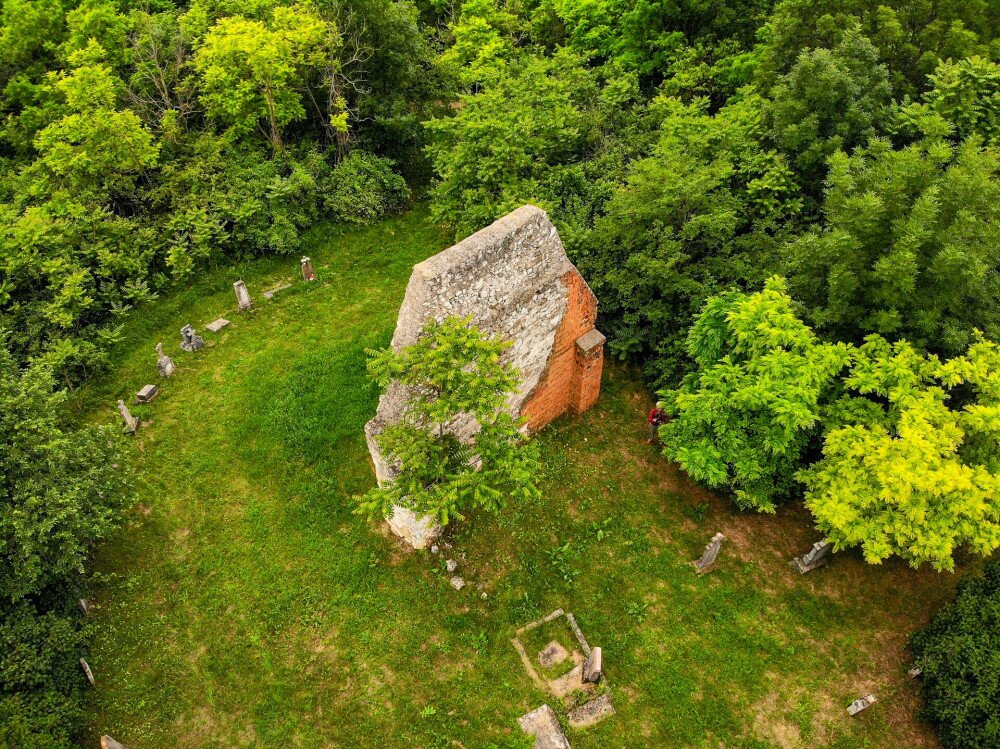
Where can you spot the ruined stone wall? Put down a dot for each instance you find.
(516, 282)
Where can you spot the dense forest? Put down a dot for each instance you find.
(790, 213)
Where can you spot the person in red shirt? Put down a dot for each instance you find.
(655, 418)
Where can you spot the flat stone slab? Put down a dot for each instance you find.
(552, 655)
(147, 394)
(568, 683)
(271, 292)
(216, 325)
(591, 712)
(543, 724)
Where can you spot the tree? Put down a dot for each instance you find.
(254, 74)
(453, 373)
(61, 490)
(907, 248)
(894, 481)
(965, 94)
(744, 418)
(959, 653)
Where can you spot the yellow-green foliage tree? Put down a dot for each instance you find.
(909, 478)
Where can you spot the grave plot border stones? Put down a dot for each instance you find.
(269, 294)
(816, 557)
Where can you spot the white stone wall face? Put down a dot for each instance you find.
(509, 278)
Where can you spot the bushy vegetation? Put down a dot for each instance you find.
(959, 654)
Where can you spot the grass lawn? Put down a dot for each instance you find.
(246, 605)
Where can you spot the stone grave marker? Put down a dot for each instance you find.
(707, 559)
(591, 712)
(457, 582)
(164, 363)
(147, 394)
(269, 294)
(190, 340)
(863, 704)
(451, 565)
(915, 672)
(216, 325)
(243, 301)
(86, 669)
(84, 606)
(543, 725)
(593, 667)
(308, 274)
(552, 655)
(109, 743)
(131, 423)
(815, 557)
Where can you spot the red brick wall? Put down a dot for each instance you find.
(569, 384)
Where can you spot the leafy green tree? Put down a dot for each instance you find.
(696, 216)
(907, 246)
(894, 481)
(959, 653)
(830, 100)
(745, 417)
(61, 490)
(255, 74)
(454, 373)
(965, 94)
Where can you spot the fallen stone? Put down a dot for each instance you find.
(84, 606)
(863, 704)
(216, 325)
(568, 683)
(457, 583)
(815, 557)
(543, 724)
(243, 301)
(269, 294)
(591, 712)
(451, 564)
(131, 423)
(147, 394)
(109, 743)
(86, 670)
(593, 667)
(552, 655)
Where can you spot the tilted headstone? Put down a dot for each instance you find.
(308, 274)
(216, 325)
(84, 606)
(147, 394)
(109, 743)
(593, 667)
(131, 423)
(863, 704)
(708, 556)
(164, 363)
(815, 557)
(190, 340)
(86, 669)
(243, 301)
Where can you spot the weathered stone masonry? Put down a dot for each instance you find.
(515, 280)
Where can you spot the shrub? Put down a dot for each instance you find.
(364, 188)
(959, 652)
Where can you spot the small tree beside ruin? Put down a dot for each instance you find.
(454, 372)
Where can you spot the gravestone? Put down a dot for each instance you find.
(915, 672)
(457, 582)
(86, 670)
(131, 423)
(84, 606)
(243, 301)
(109, 743)
(863, 704)
(591, 712)
(147, 394)
(269, 294)
(552, 655)
(190, 340)
(707, 559)
(815, 557)
(164, 363)
(593, 667)
(216, 325)
(543, 725)
(451, 565)
(515, 281)
(308, 274)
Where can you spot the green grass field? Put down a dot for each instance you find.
(245, 605)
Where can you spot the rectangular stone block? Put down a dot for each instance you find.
(147, 394)
(216, 325)
(543, 724)
(593, 667)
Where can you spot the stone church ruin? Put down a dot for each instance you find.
(516, 282)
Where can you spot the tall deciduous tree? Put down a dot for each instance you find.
(453, 372)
